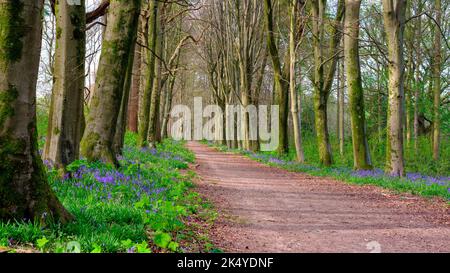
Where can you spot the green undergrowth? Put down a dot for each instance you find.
(149, 204)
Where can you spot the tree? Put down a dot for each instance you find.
(361, 153)
(394, 25)
(121, 126)
(133, 107)
(66, 116)
(105, 104)
(437, 64)
(341, 107)
(296, 118)
(281, 87)
(144, 110)
(154, 124)
(323, 78)
(24, 191)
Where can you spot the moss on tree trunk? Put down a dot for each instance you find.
(105, 104)
(144, 110)
(24, 191)
(122, 119)
(281, 86)
(361, 154)
(66, 111)
(394, 19)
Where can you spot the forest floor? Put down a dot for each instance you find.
(268, 209)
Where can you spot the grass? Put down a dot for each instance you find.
(420, 180)
(147, 205)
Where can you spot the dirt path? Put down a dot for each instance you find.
(265, 209)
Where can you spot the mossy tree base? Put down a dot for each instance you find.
(24, 191)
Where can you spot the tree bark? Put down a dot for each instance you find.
(394, 20)
(281, 88)
(341, 115)
(168, 102)
(66, 111)
(133, 106)
(418, 85)
(105, 105)
(437, 66)
(292, 85)
(144, 111)
(361, 153)
(121, 125)
(154, 125)
(24, 191)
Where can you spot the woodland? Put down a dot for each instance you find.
(88, 162)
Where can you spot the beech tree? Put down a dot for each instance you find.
(394, 25)
(281, 82)
(323, 73)
(66, 116)
(24, 191)
(361, 153)
(437, 64)
(105, 104)
(144, 110)
(295, 7)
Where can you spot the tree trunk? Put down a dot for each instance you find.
(133, 105)
(117, 46)
(144, 111)
(341, 116)
(168, 102)
(437, 64)
(361, 153)
(323, 81)
(418, 85)
(280, 87)
(154, 127)
(394, 20)
(292, 86)
(24, 191)
(121, 125)
(66, 111)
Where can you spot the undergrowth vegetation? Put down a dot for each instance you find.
(146, 205)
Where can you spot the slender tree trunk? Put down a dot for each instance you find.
(418, 85)
(105, 106)
(24, 191)
(144, 111)
(133, 106)
(281, 89)
(361, 153)
(379, 106)
(341, 116)
(320, 98)
(154, 127)
(394, 20)
(323, 79)
(121, 125)
(168, 102)
(338, 107)
(437, 64)
(292, 85)
(66, 110)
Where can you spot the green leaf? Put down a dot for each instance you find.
(162, 239)
(173, 246)
(97, 249)
(143, 248)
(41, 243)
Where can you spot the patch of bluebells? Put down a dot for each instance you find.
(416, 178)
(107, 184)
